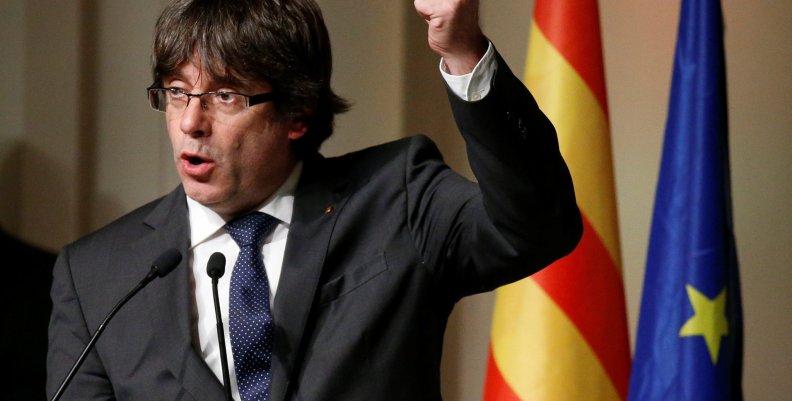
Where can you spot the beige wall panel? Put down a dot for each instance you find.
(70, 163)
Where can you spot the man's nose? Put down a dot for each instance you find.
(195, 119)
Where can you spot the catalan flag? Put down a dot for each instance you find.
(561, 334)
(689, 342)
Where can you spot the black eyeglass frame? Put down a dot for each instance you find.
(252, 100)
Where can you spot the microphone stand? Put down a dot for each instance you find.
(162, 266)
(215, 269)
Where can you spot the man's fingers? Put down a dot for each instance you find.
(453, 30)
(422, 7)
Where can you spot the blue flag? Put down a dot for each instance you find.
(689, 342)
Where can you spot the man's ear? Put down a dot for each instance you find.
(299, 125)
(297, 128)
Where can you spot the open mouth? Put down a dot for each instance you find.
(195, 160)
(196, 165)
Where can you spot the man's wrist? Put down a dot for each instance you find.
(476, 84)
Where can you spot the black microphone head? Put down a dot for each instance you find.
(216, 266)
(166, 262)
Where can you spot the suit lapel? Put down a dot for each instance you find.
(319, 198)
(170, 302)
(318, 201)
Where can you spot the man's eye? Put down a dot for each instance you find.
(225, 97)
(177, 92)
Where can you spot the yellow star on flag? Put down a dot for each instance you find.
(709, 320)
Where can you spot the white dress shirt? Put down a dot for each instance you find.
(208, 236)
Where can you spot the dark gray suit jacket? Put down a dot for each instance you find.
(382, 244)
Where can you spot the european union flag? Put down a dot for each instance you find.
(689, 344)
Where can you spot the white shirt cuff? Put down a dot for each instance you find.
(476, 84)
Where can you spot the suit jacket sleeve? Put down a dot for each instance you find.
(523, 215)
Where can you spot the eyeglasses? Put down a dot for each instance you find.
(221, 103)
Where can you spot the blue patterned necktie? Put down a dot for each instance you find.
(250, 321)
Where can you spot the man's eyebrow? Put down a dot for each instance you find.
(231, 81)
(173, 77)
(227, 80)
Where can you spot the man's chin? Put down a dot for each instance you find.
(204, 194)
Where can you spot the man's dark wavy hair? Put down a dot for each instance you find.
(281, 42)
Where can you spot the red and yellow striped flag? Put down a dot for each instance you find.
(562, 333)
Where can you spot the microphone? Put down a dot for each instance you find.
(163, 265)
(215, 268)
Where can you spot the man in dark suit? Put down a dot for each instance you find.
(368, 252)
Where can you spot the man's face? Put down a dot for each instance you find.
(229, 164)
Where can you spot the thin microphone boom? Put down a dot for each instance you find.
(163, 265)
(215, 269)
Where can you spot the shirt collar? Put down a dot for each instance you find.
(206, 224)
